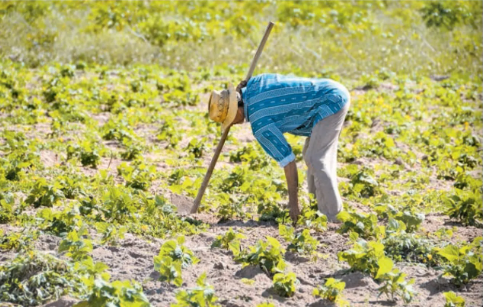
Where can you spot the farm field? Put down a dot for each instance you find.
(99, 153)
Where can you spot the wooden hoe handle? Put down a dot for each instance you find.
(259, 50)
(204, 184)
(202, 189)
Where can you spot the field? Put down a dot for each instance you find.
(105, 137)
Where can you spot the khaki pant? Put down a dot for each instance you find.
(320, 155)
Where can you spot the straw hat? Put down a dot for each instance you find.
(223, 106)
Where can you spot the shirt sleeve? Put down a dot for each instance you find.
(274, 143)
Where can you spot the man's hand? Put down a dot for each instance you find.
(294, 212)
(241, 85)
(292, 183)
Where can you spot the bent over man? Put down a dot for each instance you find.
(275, 104)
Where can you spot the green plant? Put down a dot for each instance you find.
(117, 293)
(110, 233)
(331, 291)
(132, 149)
(267, 254)
(231, 207)
(202, 295)
(410, 247)
(365, 257)
(302, 243)
(465, 206)
(312, 218)
(196, 147)
(285, 284)
(394, 284)
(75, 245)
(172, 258)
(44, 194)
(34, 278)
(89, 153)
(453, 300)
(119, 204)
(230, 240)
(408, 215)
(365, 225)
(363, 183)
(18, 241)
(59, 222)
(7, 203)
(138, 175)
(464, 262)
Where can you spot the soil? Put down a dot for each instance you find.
(133, 259)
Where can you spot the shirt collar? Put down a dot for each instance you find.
(245, 103)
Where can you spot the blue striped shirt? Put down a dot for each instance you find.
(275, 104)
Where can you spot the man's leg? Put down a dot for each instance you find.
(321, 159)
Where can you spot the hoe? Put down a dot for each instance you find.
(185, 205)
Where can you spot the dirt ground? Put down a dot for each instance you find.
(133, 259)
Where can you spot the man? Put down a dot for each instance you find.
(275, 104)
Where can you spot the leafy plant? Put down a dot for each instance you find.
(75, 245)
(365, 225)
(169, 270)
(465, 206)
(110, 233)
(302, 243)
(365, 256)
(312, 218)
(138, 175)
(44, 194)
(202, 295)
(453, 300)
(267, 254)
(331, 291)
(172, 258)
(7, 203)
(87, 152)
(34, 278)
(462, 263)
(285, 284)
(119, 204)
(408, 215)
(196, 147)
(411, 247)
(363, 184)
(18, 241)
(230, 240)
(394, 284)
(116, 293)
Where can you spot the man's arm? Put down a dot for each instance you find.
(292, 183)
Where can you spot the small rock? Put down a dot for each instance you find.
(219, 266)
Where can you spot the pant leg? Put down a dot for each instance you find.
(321, 159)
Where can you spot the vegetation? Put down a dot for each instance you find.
(172, 258)
(103, 118)
(284, 284)
(267, 254)
(202, 295)
(230, 240)
(331, 290)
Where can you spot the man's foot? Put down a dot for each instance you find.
(333, 220)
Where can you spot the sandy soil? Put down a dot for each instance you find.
(133, 259)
